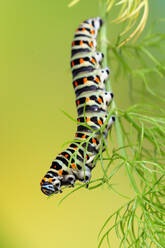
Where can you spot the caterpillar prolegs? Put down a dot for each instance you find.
(92, 100)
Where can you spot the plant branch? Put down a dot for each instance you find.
(104, 50)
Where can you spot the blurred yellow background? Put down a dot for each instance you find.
(35, 86)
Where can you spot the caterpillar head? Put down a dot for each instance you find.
(51, 185)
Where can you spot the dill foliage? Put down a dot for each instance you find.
(139, 129)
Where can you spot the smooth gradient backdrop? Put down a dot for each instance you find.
(35, 40)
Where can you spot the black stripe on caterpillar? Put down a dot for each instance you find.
(92, 101)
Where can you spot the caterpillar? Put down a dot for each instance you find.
(92, 101)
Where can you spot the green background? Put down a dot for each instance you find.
(35, 39)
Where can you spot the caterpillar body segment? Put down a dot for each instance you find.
(89, 28)
(97, 102)
(96, 79)
(86, 63)
(92, 100)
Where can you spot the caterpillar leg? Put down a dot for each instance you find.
(104, 74)
(105, 133)
(83, 175)
(108, 97)
(110, 122)
(69, 180)
(109, 125)
(57, 185)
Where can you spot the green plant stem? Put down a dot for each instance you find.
(104, 50)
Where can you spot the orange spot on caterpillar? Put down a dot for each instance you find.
(91, 44)
(66, 155)
(78, 120)
(60, 172)
(83, 29)
(86, 156)
(100, 122)
(78, 102)
(85, 80)
(72, 63)
(99, 100)
(73, 165)
(94, 140)
(92, 32)
(50, 180)
(73, 44)
(44, 179)
(75, 147)
(93, 60)
(97, 79)
(81, 43)
(84, 136)
(81, 61)
(75, 83)
(87, 99)
(88, 119)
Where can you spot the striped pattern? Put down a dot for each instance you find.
(77, 161)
